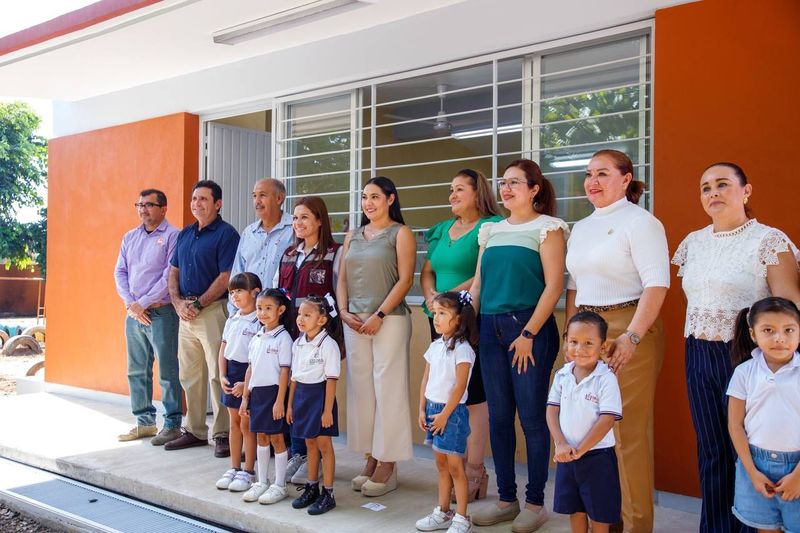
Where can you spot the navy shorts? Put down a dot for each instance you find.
(309, 402)
(454, 439)
(590, 485)
(262, 399)
(235, 374)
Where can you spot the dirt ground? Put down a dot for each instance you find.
(12, 367)
(14, 522)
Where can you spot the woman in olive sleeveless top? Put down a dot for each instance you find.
(376, 274)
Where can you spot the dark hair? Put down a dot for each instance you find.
(743, 343)
(623, 163)
(589, 317)
(738, 172)
(467, 329)
(246, 281)
(387, 187)
(317, 206)
(280, 297)
(216, 190)
(160, 196)
(333, 324)
(486, 202)
(545, 200)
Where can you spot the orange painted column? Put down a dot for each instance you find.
(726, 81)
(93, 182)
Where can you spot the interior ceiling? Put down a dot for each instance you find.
(171, 38)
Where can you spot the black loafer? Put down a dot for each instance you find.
(309, 496)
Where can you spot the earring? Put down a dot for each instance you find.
(745, 200)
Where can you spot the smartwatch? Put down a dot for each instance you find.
(527, 334)
(380, 314)
(634, 337)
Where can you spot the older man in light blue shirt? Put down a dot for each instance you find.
(263, 242)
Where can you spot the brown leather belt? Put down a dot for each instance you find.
(607, 308)
(156, 306)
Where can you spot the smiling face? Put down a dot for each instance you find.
(722, 194)
(204, 207)
(374, 203)
(269, 312)
(584, 345)
(514, 190)
(778, 335)
(463, 196)
(604, 183)
(305, 223)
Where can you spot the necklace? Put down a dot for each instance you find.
(371, 234)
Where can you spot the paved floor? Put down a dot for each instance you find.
(76, 437)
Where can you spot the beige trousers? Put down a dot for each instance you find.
(198, 352)
(378, 417)
(634, 433)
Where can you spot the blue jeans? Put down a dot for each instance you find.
(508, 392)
(159, 339)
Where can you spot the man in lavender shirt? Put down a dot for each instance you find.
(151, 327)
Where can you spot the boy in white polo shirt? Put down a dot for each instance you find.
(583, 404)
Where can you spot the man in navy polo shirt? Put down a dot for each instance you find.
(198, 288)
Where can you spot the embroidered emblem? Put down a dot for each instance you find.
(591, 397)
(317, 275)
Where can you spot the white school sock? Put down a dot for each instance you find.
(262, 460)
(281, 461)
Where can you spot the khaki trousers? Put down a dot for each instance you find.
(634, 433)
(378, 417)
(198, 352)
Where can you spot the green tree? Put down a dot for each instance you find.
(23, 171)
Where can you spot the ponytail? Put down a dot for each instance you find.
(743, 343)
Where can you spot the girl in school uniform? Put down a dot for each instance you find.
(443, 412)
(239, 329)
(763, 400)
(312, 397)
(265, 392)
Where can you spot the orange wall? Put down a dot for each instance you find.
(726, 81)
(94, 180)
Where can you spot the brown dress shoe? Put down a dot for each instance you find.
(187, 440)
(221, 447)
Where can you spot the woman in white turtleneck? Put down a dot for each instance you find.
(618, 267)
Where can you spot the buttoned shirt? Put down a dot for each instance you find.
(143, 265)
(201, 255)
(442, 373)
(260, 251)
(581, 403)
(771, 402)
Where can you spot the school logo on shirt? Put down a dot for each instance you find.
(160, 241)
(249, 333)
(316, 359)
(591, 397)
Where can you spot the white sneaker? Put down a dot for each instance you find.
(274, 494)
(241, 482)
(225, 481)
(294, 464)
(436, 520)
(460, 524)
(301, 476)
(255, 492)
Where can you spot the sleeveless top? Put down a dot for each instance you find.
(372, 270)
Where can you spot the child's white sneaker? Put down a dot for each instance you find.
(241, 482)
(225, 481)
(436, 520)
(255, 492)
(294, 465)
(274, 494)
(460, 524)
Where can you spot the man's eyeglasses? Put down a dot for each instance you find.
(147, 205)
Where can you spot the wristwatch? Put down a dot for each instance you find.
(527, 334)
(380, 314)
(197, 305)
(634, 337)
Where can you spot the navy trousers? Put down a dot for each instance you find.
(708, 371)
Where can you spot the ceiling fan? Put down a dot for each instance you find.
(441, 126)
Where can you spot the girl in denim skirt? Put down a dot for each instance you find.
(443, 412)
(763, 409)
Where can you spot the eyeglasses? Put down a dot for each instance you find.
(147, 205)
(513, 183)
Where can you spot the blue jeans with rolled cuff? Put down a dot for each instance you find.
(509, 392)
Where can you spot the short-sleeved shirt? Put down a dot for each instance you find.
(771, 402)
(238, 332)
(260, 251)
(268, 352)
(442, 373)
(512, 275)
(203, 254)
(581, 404)
(315, 360)
(453, 261)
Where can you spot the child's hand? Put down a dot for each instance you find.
(422, 421)
(277, 411)
(438, 423)
(289, 417)
(327, 420)
(243, 409)
(563, 453)
(226, 385)
(237, 389)
(762, 484)
(788, 487)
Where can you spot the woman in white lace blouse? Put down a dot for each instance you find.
(725, 266)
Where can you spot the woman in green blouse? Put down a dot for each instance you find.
(450, 266)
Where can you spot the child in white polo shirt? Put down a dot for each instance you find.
(763, 415)
(583, 404)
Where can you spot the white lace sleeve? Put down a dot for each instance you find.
(773, 243)
(680, 255)
(552, 225)
(484, 232)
